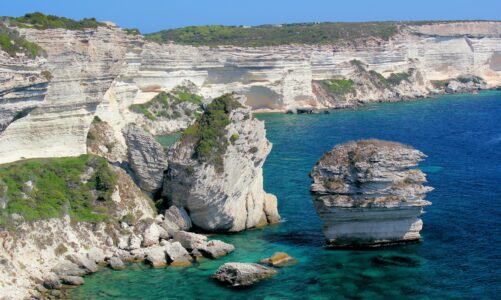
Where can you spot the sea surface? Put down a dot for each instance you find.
(459, 257)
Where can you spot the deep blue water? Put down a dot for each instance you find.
(459, 257)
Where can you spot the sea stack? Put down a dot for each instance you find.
(216, 169)
(369, 194)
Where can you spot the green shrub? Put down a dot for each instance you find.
(396, 78)
(234, 137)
(167, 104)
(47, 75)
(132, 31)
(39, 20)
(12, 43)
(209, 131)
(339, 86)
(58, 188)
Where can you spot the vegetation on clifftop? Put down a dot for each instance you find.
(271, 35)
(209, 131)
(50, 188)
(167, 105)
(39, 20)
(12, 43)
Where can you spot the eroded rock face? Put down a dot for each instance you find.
(368, 194)
(225, 193)
(146, 158)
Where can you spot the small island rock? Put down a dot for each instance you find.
(369, 194)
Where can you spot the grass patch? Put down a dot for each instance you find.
(167, 105)
(209, 131)
(58, 188)
(12, 43)
(39, 20)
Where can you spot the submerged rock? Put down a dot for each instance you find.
(368, 194)
(215, 170)
(242, 274)
(279, 259)
(146, 158)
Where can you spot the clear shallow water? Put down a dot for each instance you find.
(458, 259)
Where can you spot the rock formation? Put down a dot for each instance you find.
(146, 158)
(215, 170)
(47, 103)
(242, 274)
(368, 194)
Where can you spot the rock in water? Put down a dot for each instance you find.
(215, 170)
(368, 194)
(242, 274)
(279, 259)
(146, 157)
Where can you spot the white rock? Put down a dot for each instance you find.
(189, 240)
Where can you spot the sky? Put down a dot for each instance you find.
(154, 15)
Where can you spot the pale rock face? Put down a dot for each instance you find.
(229, 200)
(189, 240)
(178, 218)
(146, 157)
(368, 194)
(103, 71)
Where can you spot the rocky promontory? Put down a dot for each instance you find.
(215, 170)
(368, 194)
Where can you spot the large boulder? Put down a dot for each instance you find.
(177, 255)
(146, 157)
(215, 169)
(189, 240)
(368, 193)
(116, 263)
(67, 268)
(177, 218)
(215, 249)
(242, 274)
(83, 262)
(155, 256)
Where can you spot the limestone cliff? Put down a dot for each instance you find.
(215, 170)
(47, 104)
(368, 194)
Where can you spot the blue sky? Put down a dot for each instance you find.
(154, 15)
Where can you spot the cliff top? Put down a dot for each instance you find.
(317, 33)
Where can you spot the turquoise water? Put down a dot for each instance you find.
(459, 257)
(168, 140)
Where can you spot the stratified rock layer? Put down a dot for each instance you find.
(231, 197)
(146, 158)
(368, 194)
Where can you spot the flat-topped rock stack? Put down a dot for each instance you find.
(368, 194)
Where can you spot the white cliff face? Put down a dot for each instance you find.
(227, 199)
(368, 194)
(103, 71)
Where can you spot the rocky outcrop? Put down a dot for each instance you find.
(242, 274)
(368, 194)
(146, 157)
(215, 170)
